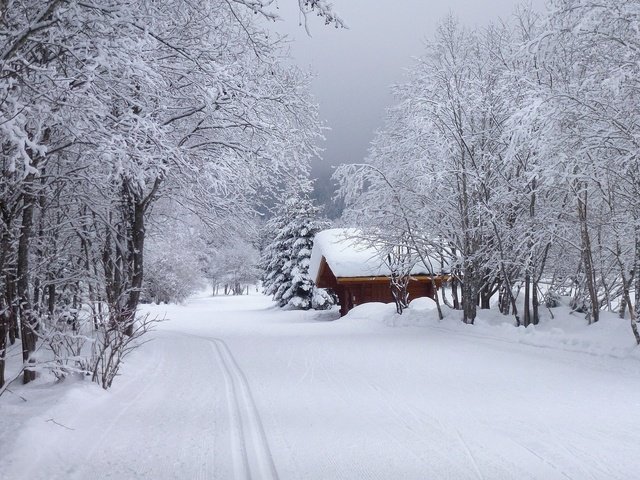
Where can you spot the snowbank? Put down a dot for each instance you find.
(567, 331)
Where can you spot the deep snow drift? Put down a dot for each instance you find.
(231, 387)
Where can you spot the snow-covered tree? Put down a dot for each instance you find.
(172, 268)
(232, 266)
(515, 147)
(107, 107)
(435, 164)
(285, 260)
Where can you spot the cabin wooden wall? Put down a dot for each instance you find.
(357, 293)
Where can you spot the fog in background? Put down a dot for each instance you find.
(355, 67)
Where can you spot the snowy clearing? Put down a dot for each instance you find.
(231, 387)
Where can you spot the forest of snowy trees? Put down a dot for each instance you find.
(514, 149)
(121, 122)
(156, 175)
(139, 139)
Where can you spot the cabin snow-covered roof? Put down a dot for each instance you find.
(348, 256)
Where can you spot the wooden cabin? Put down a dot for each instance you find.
(358, 274)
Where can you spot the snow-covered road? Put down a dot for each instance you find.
(232, 388)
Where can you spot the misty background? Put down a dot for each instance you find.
(355, 67)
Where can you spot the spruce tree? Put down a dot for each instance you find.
(274, 255)
(286, 258)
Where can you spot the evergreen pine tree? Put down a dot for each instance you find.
(273, 255)
(286, 258)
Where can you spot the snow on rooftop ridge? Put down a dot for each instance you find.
(349, 256)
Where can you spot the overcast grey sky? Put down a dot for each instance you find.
(354, 68)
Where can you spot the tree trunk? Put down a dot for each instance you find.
(636, 267)
(535, 304)
(436, 298)
(526, 317)
(469, 295)
(136, 253)
(502, 305)
(587, 257)
(398, 285)
(526, 312)
(632, 312)
(634, 325)
(28, 321)
(622, 311)
(5, 307)
(508, 299)
(110, 265)
(7, 273)
(12, 304)
(51, 299)
(4, 331)
(485, 296)
(454, 293)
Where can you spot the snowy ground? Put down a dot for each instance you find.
(232, 388)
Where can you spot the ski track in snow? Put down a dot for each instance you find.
(250, 449)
